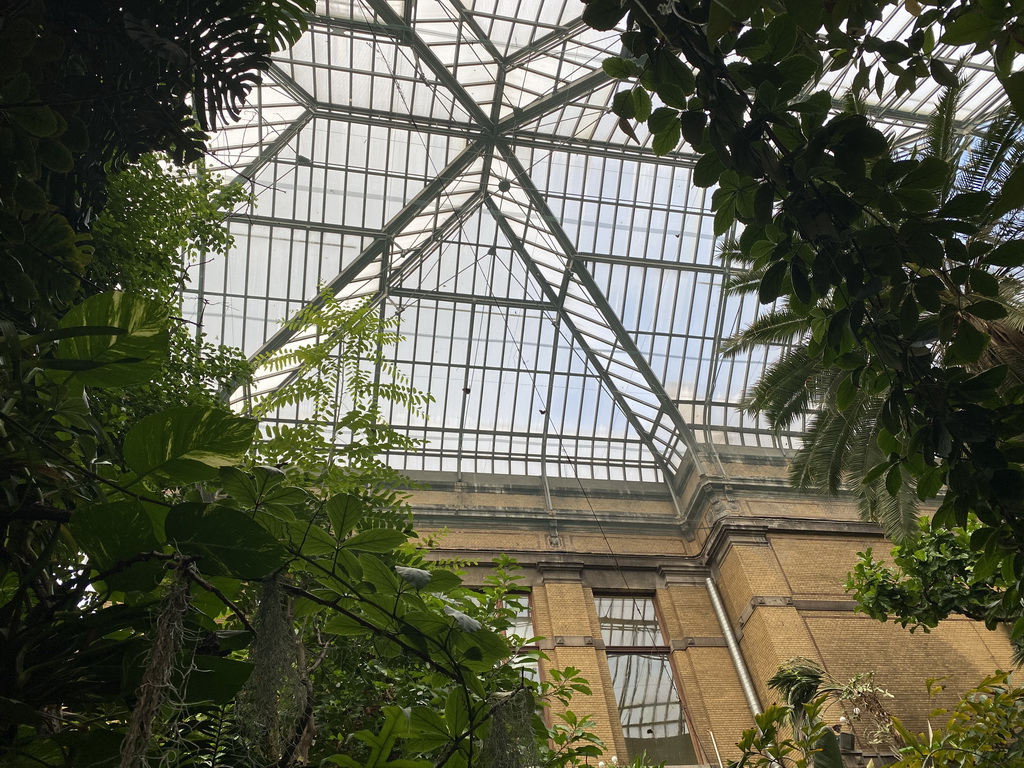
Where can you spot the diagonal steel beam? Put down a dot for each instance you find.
(392, 19)
(392, 274)
(555, 295)
(595, 296)
(270, 151)
(551, 102)
(546, 42)
(394, 228)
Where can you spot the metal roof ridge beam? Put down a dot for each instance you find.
(270, 152)
(394, 227)
(593, 358)
(410, 261)
(427, 56)
(557, 98)
(598, 299)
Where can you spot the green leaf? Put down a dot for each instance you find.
(603, 15)
(187, 444)
(973, 27)
(113, 533)
(1014, 86)
(967, 346)
(986, 309)
(845, 393)
(692, 124)
(341, 624)
(133, 356)
(345, 511)
(894, 480)
(29, 196)
(771, 283)
(666, 141)
(215, 679)
(930, 483)
(1008, 254)
(806, 14)
(620, 68)
(37, 120)
(456, 712)
(417, 577)
(375, 540)
(942, 74)
(662, 119)
(224, 541)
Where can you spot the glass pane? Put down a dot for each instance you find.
(649, 709)
(628, 621)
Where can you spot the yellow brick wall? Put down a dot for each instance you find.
(809, 564)
(568, 609)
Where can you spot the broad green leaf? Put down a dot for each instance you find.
(215, 679)
(133, 356)
(37, 120)
(345, 511)
(973, 27)
(427, 728)
(224, 541)
(603, 14)
(771, 283)
(1013, 84)
(346, 626)
(620, 68)
(456, 712)
(894, 480)
(667, 140)
(187, 444)
(114, 533)
(1008, 254)
(967, 346)
(417, 577)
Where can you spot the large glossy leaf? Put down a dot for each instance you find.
(131, 356)
(214, 679)
(188, 444)
(111, 534)
(224, 541)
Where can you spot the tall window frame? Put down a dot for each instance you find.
(647, 694)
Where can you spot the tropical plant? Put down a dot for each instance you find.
(936, 575)
(846, 438)
(892, 282)
(981, 731)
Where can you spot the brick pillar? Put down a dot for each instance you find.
(709, 686)
(565, 615)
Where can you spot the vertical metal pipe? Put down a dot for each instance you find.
(734, 649)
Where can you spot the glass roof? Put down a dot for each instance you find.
(557, 285)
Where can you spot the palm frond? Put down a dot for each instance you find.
(898, 515)
(776, 326)
(785, 389)
(993, 155)
(743, 282)
(941, 141)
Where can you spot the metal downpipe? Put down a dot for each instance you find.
(734, 649)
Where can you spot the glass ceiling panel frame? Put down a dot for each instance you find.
(517, 104)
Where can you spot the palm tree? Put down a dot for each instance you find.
(842, 444)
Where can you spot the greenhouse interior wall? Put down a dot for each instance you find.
(778, 557)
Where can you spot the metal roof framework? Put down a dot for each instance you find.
(557, 286)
